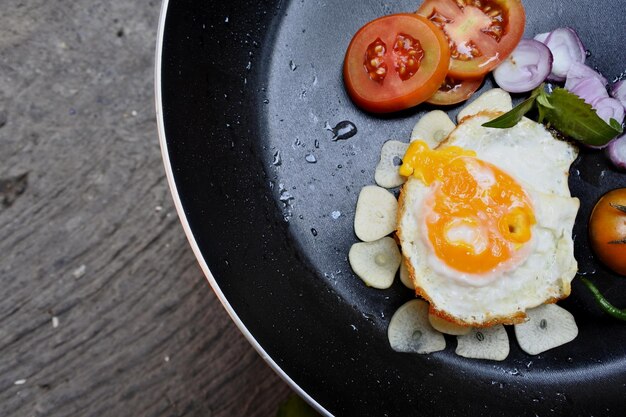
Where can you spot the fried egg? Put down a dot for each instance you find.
(485, 221)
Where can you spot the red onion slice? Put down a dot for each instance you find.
(579, 72)
(527, 67)
(609, 108)
(566, 48)
(541, 37)
(591, 90)
(617, 152)
(619, 91)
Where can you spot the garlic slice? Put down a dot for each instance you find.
(433, 128)
(547, 327)
(495, 99)
(391, 155)
(484, 343)
(447, 327)
(376, 263)
(404, 275)
(376, 212)
(410, 331)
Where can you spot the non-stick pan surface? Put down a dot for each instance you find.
(246, 92)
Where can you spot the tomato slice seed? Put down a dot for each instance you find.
(409, 54)
(489, 15)
(374, 60)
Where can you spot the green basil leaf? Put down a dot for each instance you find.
(544, 101)
(541, 114)
(513, 116)
(510, 118)
(574, 118)
(615, 124)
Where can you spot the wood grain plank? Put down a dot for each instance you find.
(105, 311)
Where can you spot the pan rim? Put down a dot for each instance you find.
(189, 234)
(179, 43)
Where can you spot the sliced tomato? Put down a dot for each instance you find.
(481, 33)
(607, 230)
(395, 62)
(454, 91)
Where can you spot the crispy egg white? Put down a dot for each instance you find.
(539, 270)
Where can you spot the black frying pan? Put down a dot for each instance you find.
(244, 92)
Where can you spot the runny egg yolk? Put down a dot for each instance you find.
(476, 215)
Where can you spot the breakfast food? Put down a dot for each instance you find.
(410, 331)
(485, 214)
(481, 33)
(548, 326)
(395, 62)
(439, 54)
(432, 128)
(376, 212)
(607, 230)
(492, 100)
(447, 327)
(454, 91)
(491, 343)
(386, 174)
(377, 262)
(484, 221)
(607, 234)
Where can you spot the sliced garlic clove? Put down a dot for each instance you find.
(404, 275)
(410, 331)
(547, 327)
(391, 155)
(447, 327)
(376, 263)
(495, 99)
(376, 212)
(485, 343)
(433, 128)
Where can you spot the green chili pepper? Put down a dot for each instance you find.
(604, 304)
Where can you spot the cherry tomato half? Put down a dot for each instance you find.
(607, 230)
(455, 91)
(395, 62)
(481, 33)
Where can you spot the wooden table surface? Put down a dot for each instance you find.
(104, 310)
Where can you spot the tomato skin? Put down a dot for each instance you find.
(394, 94)
(455, 91)
(607, 227)
(493, 51)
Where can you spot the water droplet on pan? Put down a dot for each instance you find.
(342, 130)
(277, 159)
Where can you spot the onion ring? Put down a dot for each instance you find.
(526, 68)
